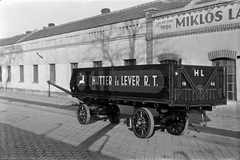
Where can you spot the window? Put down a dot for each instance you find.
(97, 63)
(52, 73)
(73, 65)
(129, 62)
(21, 69)
(35, 73)
(9, 73)
(0, 73)
(231, 76)
(168, 62)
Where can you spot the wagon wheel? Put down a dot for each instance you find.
(177, 124)
(83, 114)
(114, 114)
(142, 123)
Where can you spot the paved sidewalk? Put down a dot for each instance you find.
(30, 129)
(217, 121)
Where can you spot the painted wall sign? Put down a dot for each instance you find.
(197, 19)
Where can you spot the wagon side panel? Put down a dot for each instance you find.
(140, 83)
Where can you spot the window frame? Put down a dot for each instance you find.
(97, 64)
(35, 73)
(0, 73)
(231, 84)
(9, 79)
(52, 72)
(72, 66)
(130, 62)
(21, 73)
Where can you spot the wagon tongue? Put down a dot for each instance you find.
(198, 78)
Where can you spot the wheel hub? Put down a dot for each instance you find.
(82, 113)
(141, 122)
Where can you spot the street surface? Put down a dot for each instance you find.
(30, 131)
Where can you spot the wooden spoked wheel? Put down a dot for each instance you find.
(177, 123)
(113, 114)
(142, 123)
(83, 114)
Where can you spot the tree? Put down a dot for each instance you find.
(9, 55)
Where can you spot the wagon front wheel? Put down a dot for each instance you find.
(114, 114)
(142, 123)
(177, 123)
(83, 114)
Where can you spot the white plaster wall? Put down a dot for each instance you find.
(194, 49)
(112, 52)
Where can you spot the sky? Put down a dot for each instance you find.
(19, 16)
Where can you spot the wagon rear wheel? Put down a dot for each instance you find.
(83, 114)
(142, 123)
(177, 123)
(114, 114)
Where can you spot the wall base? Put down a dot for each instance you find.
(232, 109)
(37, 92)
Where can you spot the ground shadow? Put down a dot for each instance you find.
(127, 112)
(17, 143)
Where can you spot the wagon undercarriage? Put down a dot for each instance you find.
(142, 121)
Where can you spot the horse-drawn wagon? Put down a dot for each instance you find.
(173, 90)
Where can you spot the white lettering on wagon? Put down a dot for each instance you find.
(125, 80)
(134, 81)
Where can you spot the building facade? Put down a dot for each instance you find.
(200, 32)
(200, 35)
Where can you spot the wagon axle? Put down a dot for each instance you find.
(85, 112)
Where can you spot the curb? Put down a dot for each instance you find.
(51, 109)
(206, 136)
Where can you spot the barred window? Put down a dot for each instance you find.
(52, 73)
(73, 65)
(21, 70)
(97, 63)
(35, 73)
(129, 62)
(0, 73)
(230, 64)
(9, 74)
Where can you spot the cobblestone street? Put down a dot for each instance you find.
(34, 132)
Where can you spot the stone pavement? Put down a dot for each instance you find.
(35, 131)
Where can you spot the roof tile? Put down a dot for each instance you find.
(128, 14)
(11, 40)
(132, 13)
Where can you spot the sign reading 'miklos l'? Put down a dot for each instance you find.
(197, 19)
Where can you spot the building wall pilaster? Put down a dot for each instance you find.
(149, 34)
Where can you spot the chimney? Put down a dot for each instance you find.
(105, 10)
(51, 24)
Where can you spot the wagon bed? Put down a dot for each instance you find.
(171, 84)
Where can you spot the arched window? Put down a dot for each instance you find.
(227, 58)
